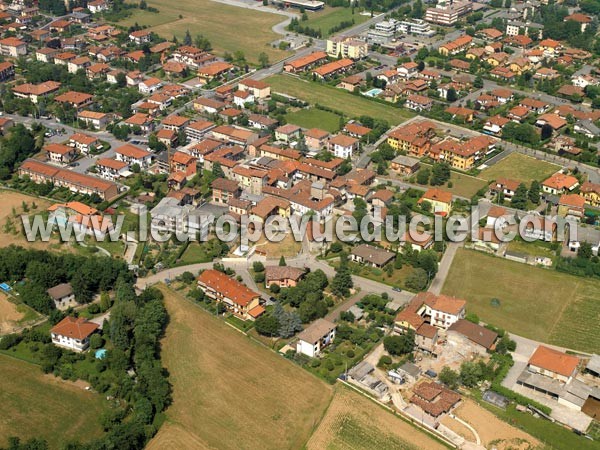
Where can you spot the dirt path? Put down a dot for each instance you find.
(9, 315)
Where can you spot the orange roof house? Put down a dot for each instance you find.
(554, 361)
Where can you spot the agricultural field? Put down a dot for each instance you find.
(520, 167)
(492, 431)
(42, 406)
(228, 28)
(564, 307)
(348, 104)
(463, 185)
(328, 18)
(230, 392)
(314, 118)
(353, 422)
(14, 315)
(11, 207)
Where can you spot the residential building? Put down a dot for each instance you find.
(259, 89)
(283, 276)
(131, 155)
(13, 47)
(591, 193)
(418, 103)
(343, 146)
(305, 62)
(111, 169)
(371, 255)
(405, 165)
(441, 201)
(237, 298)
(456, 46)
(463, 331)
(223, 191)
(7, 70)
(84, 142)
(448, 14)
(346, 47)
(434, 399)
(415, 27)
(93, 119)
(572, 206)
(77, 100)
(317, 336)
(60, 153)
(62, 295)
(559, 183)
(333, 68)
(73, 333)
(35, 91)
(440, 311)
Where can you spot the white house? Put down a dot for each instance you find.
(150, 85)
(343, 146)
(73, 333)
(131, 154)
(317, 336)
(111, 169)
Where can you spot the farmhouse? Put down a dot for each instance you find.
(440, 311)
(237, 298)
(315, 337)
(433, 398)
(62, 295)
(463, 330)
(73, 333)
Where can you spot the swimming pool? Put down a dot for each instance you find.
(373, 92)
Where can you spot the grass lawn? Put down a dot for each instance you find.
(314, 118)
(463, 185)
(194, 254)
(41, 406)
(228, 28)
(532, 248)
(353, 421)
(520, 167)
(230, 392)
(398, 277)
(343, 101)
(537, 303)
(328, 18)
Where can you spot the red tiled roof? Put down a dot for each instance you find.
(554, 361)
(76, 328)
(227, 287)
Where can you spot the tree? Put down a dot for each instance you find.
(187, 39)
(267, 325)
(519, 199)
(263, 60)
(585, 251)
(440, 174)
(534, 192)
(258, 266)
(400, 345)
(449, 377)
(342, 281)
(417, 280)
(470, 374)
(217, 170)
(451, 95)
(423, 176)
(282, 262)
(478, 82)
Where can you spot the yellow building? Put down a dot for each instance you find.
(347, 47)
(441, 201)
(591, 193)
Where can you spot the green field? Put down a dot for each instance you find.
(314, 118)
(328, 18)
(520, 167)
(228, 28)
(343, 101)
(41, 406)
(537, 303)
(463, 185)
